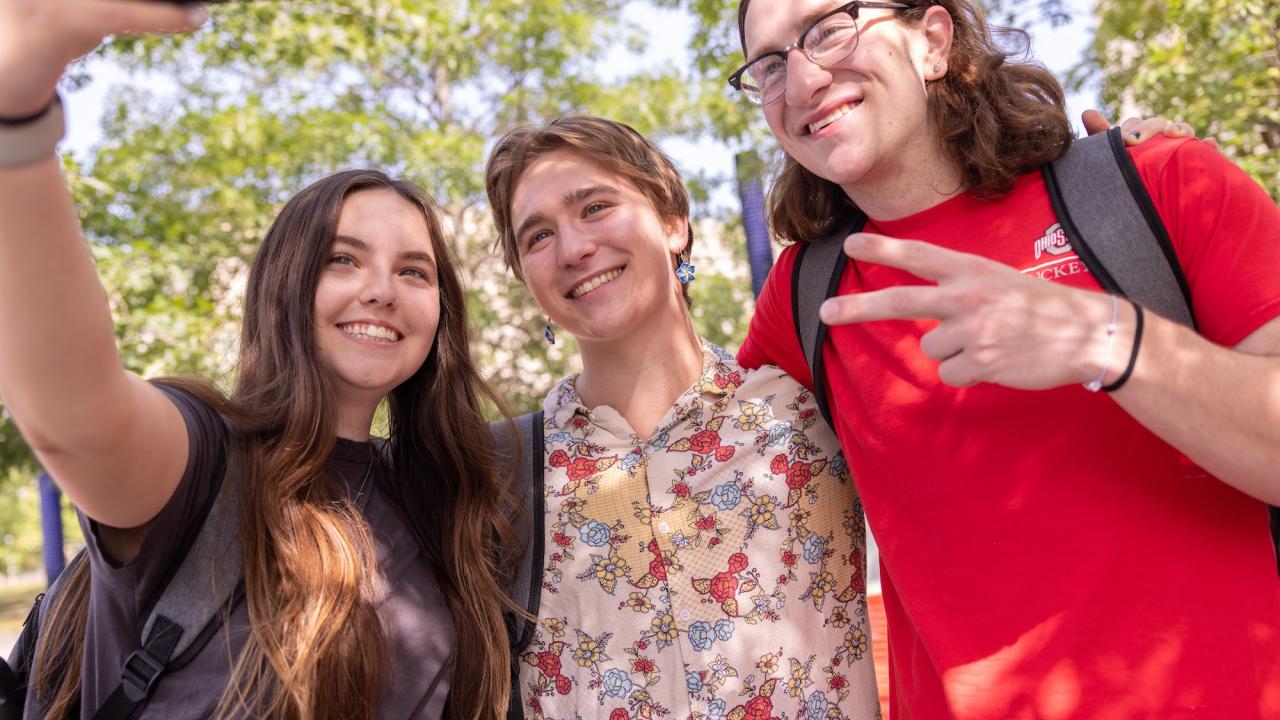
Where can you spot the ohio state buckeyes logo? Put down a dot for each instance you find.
(1054, 242)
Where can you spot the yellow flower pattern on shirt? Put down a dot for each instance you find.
(713, 571)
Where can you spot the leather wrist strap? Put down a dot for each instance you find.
(26, 141)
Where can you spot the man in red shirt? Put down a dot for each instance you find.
(1046, 551)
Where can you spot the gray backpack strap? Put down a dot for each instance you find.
(207, 580)
(524, 450)
(526, 586)
(815, 277)
(1112, 224)
(192, 605)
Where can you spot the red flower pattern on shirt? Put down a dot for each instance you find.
(723, 498)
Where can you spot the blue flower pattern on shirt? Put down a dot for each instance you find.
(594, 533)
(726, 496)
(679, 566)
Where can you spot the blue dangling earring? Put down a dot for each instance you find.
(685, 271)
(546, 333)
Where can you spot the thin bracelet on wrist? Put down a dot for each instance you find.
(1095, 384)
(1133, 354)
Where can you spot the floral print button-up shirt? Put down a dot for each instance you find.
(714, 570)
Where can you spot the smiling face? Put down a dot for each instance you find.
(865, 118)
(593, 250)
(377, 302)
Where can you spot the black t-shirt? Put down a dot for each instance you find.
(415, 620)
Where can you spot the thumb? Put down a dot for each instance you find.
(1094, 122)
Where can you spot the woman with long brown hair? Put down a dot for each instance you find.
(370, 584)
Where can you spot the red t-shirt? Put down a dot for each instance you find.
(1042, 554)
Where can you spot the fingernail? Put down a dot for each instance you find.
(854, 241)
(827, 311)
(198, 15)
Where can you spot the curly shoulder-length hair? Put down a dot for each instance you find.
(997, 115)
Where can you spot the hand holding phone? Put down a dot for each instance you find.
(39, 38)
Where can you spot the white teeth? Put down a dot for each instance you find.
(835, 115)
(371, 332)
(594, 283)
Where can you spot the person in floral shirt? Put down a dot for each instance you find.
(705, 545)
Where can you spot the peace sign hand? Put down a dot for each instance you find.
(996, 324)
(39, 38)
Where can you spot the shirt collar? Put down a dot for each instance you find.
(721, 375)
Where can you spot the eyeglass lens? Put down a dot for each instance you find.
(828, 41)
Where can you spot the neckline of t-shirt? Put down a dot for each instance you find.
(961, 204)
(352, 450)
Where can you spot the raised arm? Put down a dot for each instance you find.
(114, 443)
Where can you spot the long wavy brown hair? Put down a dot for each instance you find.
(998, 116)
(316, 647)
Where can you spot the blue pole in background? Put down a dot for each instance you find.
(51, 524)
(751, 195)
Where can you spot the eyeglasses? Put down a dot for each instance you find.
(828, 40)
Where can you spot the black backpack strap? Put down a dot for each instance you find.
(815, 277)
(15, 675)
(1275, 532)
(1114, 228)
(13, 693)
(141, 672)
(526, 451)
(190, 608)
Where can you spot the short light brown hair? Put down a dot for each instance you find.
(613, 145)
(997, 116)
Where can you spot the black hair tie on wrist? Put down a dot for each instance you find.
(1133, 355)
(15, 122)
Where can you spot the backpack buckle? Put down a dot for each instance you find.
(141, 671)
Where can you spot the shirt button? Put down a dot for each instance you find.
(663, 527)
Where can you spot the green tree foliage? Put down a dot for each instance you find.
(20, 536)
(1022, 14)
(1212, 63)
(212, 133)
(275, 94)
